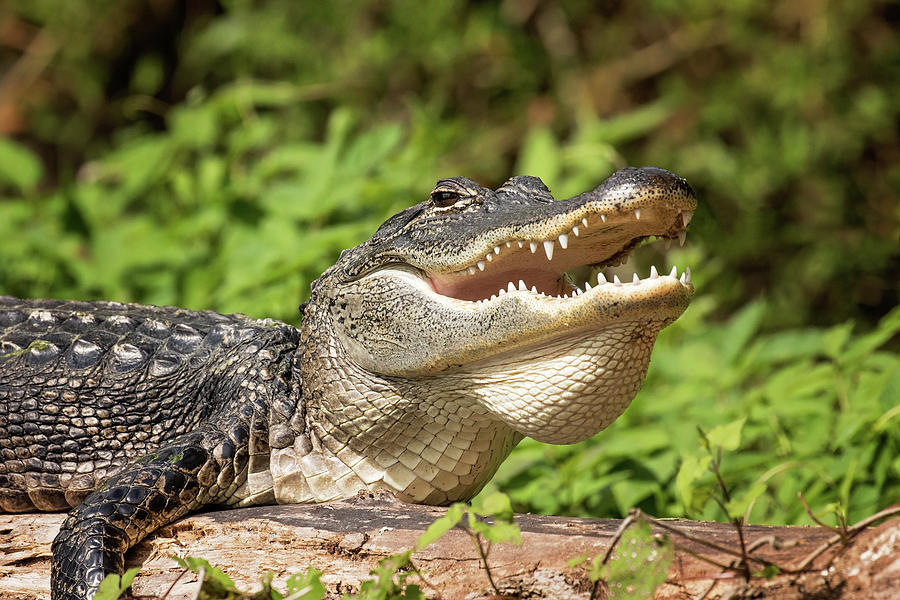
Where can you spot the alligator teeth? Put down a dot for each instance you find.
(668, 243)
(637, 213)
(653, 272)
(687, 274)
(471, 270)
(480, 264)
(681, 236)
(584, 220)
(682, 278)
(575, 230)
(686, 216)
(616, 280)
(501, 292)
(533, 246)
(563, 240)
(522, 287)
(508, 245)
(577, 292)
(510, 287)
(601, 278)
(587, 285)
(496, 249)
(635, 280)
(490, 257)
(674, 272)
(548, 248)
(534, 290)
(520, 242)
(603, 218)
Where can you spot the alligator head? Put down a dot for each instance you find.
(462, 304)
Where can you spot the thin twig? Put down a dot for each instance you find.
(168, 591)
(851, 532)
(838, 531)
(715, 546)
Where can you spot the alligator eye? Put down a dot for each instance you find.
(443, 198)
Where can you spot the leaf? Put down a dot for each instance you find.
(19, 166)
(738, 506)
(692, 468)
(307, 586)
(497, 505)
(213, 574)
(501, 531)
(442, 525)
(727, 436)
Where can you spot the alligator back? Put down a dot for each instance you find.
(85, 387)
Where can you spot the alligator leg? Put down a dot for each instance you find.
(193, 470)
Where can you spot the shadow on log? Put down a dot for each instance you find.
(347, 539)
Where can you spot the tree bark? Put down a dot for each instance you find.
(347, 539)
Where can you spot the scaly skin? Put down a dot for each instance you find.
(412, 372)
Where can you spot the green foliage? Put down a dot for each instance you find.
(639, 564)
(390, 581)
(113, 586)
(215, 585)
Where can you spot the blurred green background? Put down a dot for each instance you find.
(221, 154)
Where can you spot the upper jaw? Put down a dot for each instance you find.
(584, 231)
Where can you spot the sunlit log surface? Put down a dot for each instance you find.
(346, 540)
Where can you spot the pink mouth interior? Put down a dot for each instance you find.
(483, 285)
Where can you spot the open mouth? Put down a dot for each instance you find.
(570, 262)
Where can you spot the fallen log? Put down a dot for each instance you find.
(347, 539)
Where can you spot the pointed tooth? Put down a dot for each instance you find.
(509, 244)
(548, 248)
(510, 287)
(480, 264)
(522, 287)
(533, 246)
(471, 270)
(575, 230)
(564, 240)
(635, 280)
(601, 278)
(668, 243)
(534, 290)
(637, 213)
(687, 273)
(584, 220)
(681, 236)
(682, 278)
(686, 216)
(674, 272)
(653, 272)
(577, 292)
(501, 292)
(587, 285)
(493, 296)
(489, 256)
(496, 249)
(520, 242)
(616, 280)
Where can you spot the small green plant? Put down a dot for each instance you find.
(633, 566)
(113, 585)
(474, 521)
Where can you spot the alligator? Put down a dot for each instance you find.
(423, 357)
